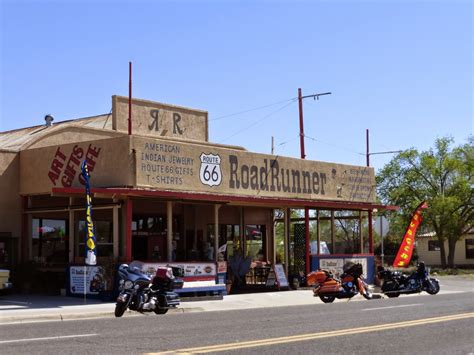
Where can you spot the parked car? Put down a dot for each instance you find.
(5, 283)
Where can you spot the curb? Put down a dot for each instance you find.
(28, 318)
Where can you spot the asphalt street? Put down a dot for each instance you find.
(441, 324)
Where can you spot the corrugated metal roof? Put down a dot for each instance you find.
(16, 139)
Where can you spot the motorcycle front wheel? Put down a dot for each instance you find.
(120, 309)
(432, 287)
(327, 299)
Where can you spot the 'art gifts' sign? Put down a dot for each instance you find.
(65, 167)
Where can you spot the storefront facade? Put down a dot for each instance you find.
(160, 191)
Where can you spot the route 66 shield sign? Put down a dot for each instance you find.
(210, 172)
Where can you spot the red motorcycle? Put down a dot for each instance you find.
(328, 288)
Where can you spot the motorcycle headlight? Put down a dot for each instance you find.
(128, 284)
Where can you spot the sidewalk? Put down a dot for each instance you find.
(28, 308)
(37, 308)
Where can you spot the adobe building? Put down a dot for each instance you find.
(160, 191)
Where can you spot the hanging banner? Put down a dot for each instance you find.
(91, 251)
(406, 248)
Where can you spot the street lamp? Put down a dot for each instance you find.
(303, 155)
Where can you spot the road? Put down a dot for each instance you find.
(441, 324)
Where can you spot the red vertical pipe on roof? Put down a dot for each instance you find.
(129, 98)
(128, 229)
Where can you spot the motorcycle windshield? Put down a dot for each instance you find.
(137, 267)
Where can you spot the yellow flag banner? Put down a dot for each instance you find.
(91, 250)
(406, 248)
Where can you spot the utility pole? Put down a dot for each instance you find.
(303, 155)
(129, 98)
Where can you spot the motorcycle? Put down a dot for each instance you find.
(142, 293)
(328, 288)
(396, 283)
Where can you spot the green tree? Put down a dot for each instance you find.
(443, 177)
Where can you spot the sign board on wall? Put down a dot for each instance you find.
(190, 269)
(85, 276)
(60, 165)
(168, 165)
(335, 265)
(159, 120)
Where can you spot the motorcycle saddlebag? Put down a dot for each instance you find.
(317, 277)
(390, 285)
(177, 284)
(178, 271)
(330, 286)
(169, 299)
(347, 278)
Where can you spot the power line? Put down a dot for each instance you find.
(333, 145)
(258, 121)
(252, 109)
(289, 140)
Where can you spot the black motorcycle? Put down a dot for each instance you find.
(143, 293)
(396, 283)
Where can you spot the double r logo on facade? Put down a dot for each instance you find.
(155, 122)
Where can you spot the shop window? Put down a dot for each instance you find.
(254, 242)
(469, 248)
(149, 239)
(433, 245)
(229, 239)
(149, 225)
(325, 235)
(103, 236)
(347, 233)
(232, 238)
(280, 241)
(49, 241)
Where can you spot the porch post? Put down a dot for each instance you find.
(332, 233)
(287, 239)
(128, 229)
(307, 240)
(72, 230)
(361, 234)
(216, 230)
(371, 232)
(318, 233)
(274, 248)
(169, 234)
(115, 231)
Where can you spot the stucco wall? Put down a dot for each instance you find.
(433, 257)
(10, 201)
(63, 135)
(111, 163)
(168, 165)
(159, 120)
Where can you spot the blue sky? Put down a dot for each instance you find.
(402, 69)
